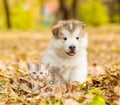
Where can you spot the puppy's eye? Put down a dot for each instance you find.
(64, 38)
(77, 38)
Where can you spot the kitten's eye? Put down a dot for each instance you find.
(64, 38)
(41, 72)
(77, 38)
(34, 72)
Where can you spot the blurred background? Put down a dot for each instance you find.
(25, 28)
(38, 14)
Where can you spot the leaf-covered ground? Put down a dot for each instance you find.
(103, 83)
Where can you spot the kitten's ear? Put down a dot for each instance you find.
(28, 65)
(47, 66)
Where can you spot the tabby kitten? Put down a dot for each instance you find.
(36, 72)
(44, 73)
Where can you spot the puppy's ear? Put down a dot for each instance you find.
(82, 24)
(55, 30)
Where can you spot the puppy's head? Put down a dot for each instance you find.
(69, 36)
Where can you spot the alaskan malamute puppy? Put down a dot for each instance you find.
(67, 50)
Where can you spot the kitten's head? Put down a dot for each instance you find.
(38, 71)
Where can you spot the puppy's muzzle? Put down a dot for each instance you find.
(72, 48)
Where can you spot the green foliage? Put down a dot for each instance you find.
(57, 102)
(95, 91)
(94, 12)
(2, 16)
(46, 102)
(97, 100)
(116, 18)
(13, 97)
(53, 102)
(2, 83)
(21, 16)
(1, 96)
(116, 15)
(81, 86)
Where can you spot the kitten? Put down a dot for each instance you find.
(36, 72)
(44, 73)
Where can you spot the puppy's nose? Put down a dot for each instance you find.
(72, 47)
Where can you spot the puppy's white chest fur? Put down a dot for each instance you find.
(66, 68)
(74, 69)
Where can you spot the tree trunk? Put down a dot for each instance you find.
(74, 9)
(63, 9)
(7, 14)
(68, 13)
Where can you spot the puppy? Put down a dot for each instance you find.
(67, 50)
